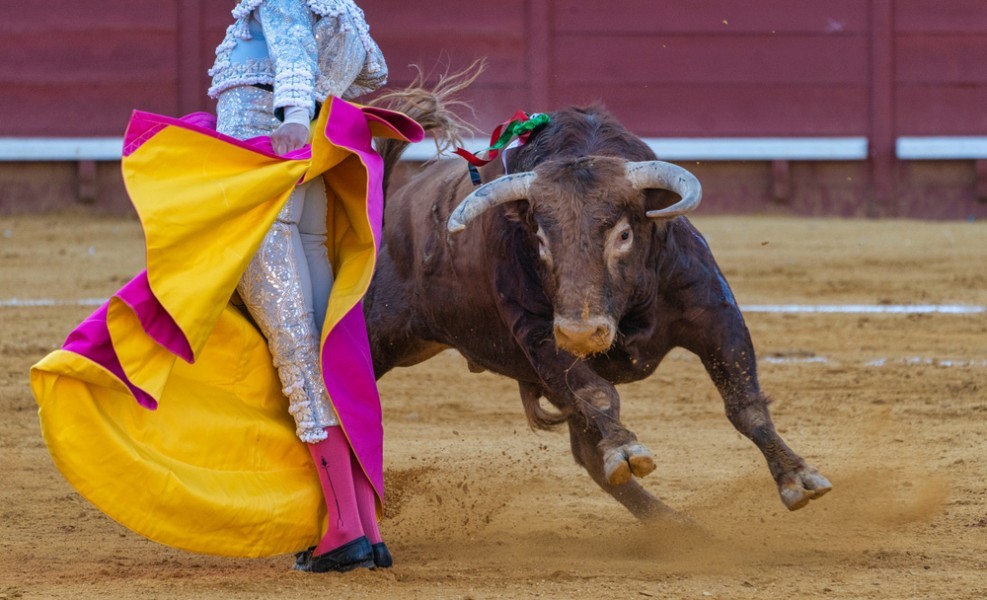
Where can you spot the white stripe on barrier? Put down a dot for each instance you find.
(25, 302)
(712, 149)
(732, 149)
(957, 147)
(60, 149)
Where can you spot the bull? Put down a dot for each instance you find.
(573, 268)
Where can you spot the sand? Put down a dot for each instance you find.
(891, 407)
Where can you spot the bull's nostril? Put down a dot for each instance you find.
(576, 331)
(583, 336)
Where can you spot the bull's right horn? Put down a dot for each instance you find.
(508, 188)
(660, 175)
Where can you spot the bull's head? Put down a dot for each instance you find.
(594, 232)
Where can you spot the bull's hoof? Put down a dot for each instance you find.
(620, 463)
(799, 487)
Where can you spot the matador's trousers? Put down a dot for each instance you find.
(286, 286)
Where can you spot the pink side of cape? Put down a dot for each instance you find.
(92, 337)
(347, 367)
(144, 125)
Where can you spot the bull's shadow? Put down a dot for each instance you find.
(572, 268)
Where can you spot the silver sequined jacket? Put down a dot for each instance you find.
(307, 49)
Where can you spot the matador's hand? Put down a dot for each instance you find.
(289, 137)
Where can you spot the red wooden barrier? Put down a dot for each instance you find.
(716, 68)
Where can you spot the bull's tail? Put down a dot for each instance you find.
(433, 109)
(538, 417)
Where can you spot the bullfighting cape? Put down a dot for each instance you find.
(163, 407)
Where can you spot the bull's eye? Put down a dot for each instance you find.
(621, 238)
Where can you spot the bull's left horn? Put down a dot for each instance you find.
(660, 175)
(508, 188)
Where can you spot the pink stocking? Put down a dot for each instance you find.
(332, 460)
(366, 502)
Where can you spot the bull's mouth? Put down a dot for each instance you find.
(584, 337)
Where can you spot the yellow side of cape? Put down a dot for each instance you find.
(245, 488)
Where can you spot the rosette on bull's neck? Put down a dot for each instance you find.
(517, 128)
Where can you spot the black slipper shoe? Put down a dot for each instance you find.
(303, 557)
(382, 558)
(351, 555)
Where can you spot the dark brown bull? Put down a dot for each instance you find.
(570, 275)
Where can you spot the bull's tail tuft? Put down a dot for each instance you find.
(538, 417)
(433, 108)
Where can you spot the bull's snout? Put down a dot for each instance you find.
(584, 336)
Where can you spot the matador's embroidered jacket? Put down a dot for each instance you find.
(307, 49)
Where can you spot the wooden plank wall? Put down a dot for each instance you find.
(709, 68)
(940, 58)
(717, 68)
(73, 68)
(940, 88)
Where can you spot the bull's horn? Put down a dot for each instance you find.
(659, 175)
(504, 189)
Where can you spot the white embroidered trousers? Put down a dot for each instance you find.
(287, 283)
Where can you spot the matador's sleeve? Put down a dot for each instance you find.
(293, 49)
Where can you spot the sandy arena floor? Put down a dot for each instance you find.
(891, 407)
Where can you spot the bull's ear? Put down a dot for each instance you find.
(659, 199)
(518, 212)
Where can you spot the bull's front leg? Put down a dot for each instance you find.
(726, 350)
(589, 404)
(602, 466)
(608, 451)
(593, 408)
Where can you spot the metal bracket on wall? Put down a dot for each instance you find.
(963, 147)
(87, 188)
(781, 181)
(981, 170)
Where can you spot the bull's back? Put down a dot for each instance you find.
(415, 215)
(432, 289)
